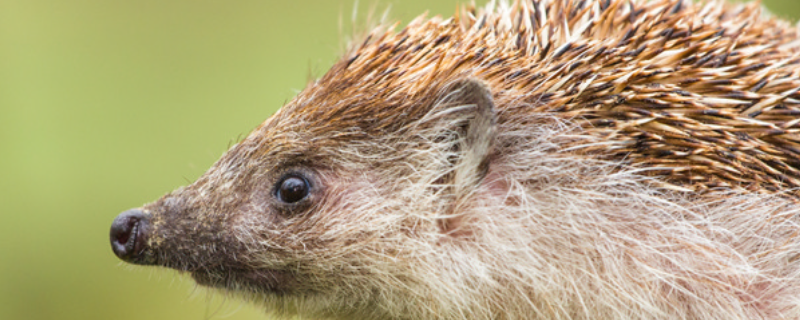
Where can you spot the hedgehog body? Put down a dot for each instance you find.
(553, 159)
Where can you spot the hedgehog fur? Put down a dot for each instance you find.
(541, 159)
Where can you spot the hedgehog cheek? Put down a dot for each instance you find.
(465, 120)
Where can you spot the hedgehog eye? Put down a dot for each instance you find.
(292, 188)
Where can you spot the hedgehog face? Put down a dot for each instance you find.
(256, 221)
(286, 212)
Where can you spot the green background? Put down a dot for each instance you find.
(108, 104)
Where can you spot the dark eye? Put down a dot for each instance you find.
(292, 189)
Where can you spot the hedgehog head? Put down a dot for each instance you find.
(411, 163)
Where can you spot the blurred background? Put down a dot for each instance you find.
(106, 105)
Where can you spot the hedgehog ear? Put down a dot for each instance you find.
(465, 112)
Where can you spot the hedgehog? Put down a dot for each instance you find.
(541, 159)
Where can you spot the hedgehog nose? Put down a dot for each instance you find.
(128, 233)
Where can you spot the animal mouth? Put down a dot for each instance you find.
(257, 281)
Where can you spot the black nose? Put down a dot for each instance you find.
(128, 233)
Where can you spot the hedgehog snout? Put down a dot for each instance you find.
(128, 235)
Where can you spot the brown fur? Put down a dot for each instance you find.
(710, 103)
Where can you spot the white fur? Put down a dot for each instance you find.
(550, 235)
